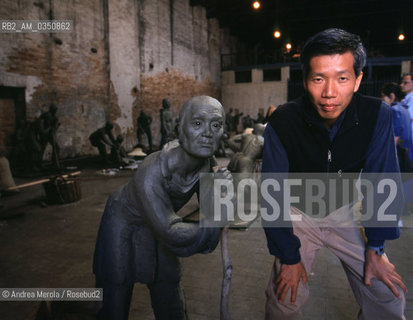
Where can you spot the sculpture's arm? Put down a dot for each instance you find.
(182, 238)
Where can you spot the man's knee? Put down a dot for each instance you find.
(276, 309)
(385, 303)
(379, 302)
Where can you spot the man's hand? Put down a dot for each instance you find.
(289, 278)
(379, 267)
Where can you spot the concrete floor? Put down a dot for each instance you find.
(53, 247)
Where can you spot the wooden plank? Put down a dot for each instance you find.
(34, 183)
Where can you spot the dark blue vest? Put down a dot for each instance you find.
(309, 149)
(306, 139)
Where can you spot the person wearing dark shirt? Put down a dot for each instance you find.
(330, 131)
(392, 95)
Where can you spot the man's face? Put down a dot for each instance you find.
(331, 83)
(407, 84)
(202, 129)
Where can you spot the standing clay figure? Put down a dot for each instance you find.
(140, 236)
(144, 127)
(229, 121)
(260, 116)
(48, 127)
(101, 138)
(33, 146)
(235, 120)
(167, 123)
(247, 122)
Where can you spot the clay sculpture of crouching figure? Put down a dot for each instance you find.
(140, 237)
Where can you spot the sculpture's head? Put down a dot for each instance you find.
(53, 108)
(259, 129)
(119, 139)
(201, 125)
(165, 103)
(108, 126)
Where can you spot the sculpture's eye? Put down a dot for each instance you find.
(217, 124)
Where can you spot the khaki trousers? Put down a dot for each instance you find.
(339, 233)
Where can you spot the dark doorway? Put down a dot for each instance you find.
(12, 112)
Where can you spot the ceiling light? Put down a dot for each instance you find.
(256, 5)
(401, 37)
(288, 46)
(277, 34)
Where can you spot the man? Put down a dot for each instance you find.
(101, 138)
(141, 237)
(392, 95)
(407, 88)
(332, 130)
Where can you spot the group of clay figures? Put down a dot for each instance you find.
(103, 138)
(31, 140)
(232, 121)
(141, 238)
(246, 147)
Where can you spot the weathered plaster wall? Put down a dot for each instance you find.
(257, 94)
(59, 68)
(122, 57)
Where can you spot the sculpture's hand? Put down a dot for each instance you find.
(223, 217)
(222, 173)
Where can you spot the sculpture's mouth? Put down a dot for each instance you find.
(206, 145)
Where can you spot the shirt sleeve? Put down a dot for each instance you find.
(397, 122)
(382, 160)
(281, 241)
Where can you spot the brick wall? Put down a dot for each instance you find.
(122, 57)
(60, 68)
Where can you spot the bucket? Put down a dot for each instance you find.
(61, 190)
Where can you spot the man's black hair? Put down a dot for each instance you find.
(392, 87)
(333, 41)
(408, 74)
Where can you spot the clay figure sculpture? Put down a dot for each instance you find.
(101, 138)
(141, 238)
(167, 123)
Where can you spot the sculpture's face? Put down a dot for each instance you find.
(202, 128)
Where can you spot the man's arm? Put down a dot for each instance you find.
(382, 158)
(281, 241)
